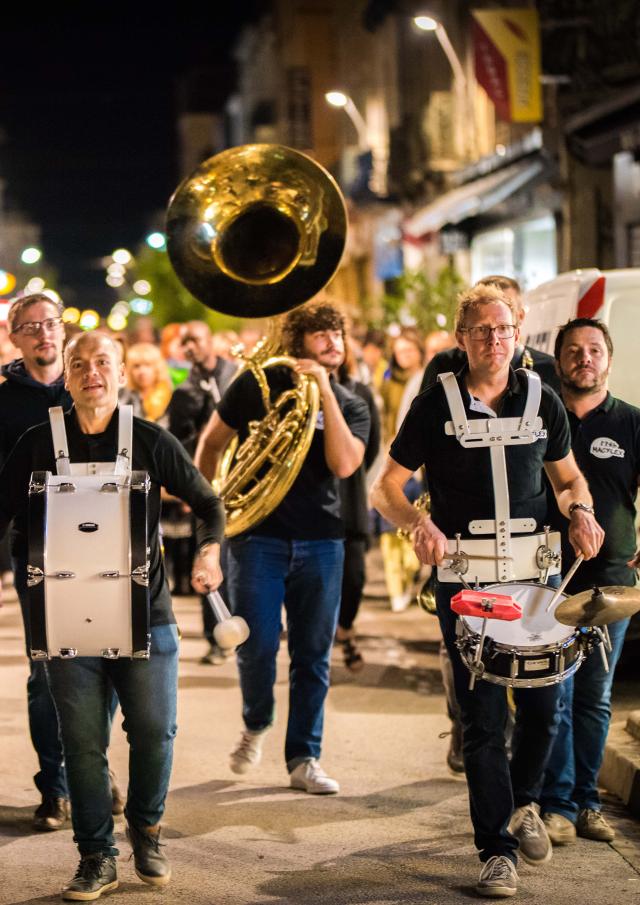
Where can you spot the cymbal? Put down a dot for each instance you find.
(598, 606)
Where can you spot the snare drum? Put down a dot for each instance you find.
(530, 652)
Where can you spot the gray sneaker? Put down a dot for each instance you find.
(560, 829)
(248, 752)
(592, 825)
(527, 826)
(498, 878)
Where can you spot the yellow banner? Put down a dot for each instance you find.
(515, 36)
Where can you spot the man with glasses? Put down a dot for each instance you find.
(503, 796)
(32, 385)
(523, 356)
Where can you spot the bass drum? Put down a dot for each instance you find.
(530, 652)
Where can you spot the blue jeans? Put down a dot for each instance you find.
(262, 574)
(496, 785)
(50, 780)
(147, 690)
(570, 782)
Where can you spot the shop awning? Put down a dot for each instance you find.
(474, 198)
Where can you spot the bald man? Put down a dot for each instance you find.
(147, 689)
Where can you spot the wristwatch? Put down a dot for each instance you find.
(582, 506)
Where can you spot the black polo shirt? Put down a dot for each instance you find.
(455, 359)
(155, 451)
(606, 444)
(311, 509)
(460, 481)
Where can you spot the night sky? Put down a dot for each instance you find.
(88, 109)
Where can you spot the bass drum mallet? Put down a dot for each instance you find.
(230, 631)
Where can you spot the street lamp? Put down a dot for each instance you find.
(428, 23)
(340, 99)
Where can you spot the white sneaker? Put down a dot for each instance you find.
(400, 602)
(248, 752)
(310, 777)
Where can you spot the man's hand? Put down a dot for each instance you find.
(635, 562)
(429, 543)
(313, 369)
(206, 574)
(585, 534)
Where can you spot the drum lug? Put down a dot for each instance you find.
(67, 487)
(34, 576)
(141, 575)
(39, 655)
(144, 653)
(514, 665)
(561, 662)
(68, 653)
(109, 487)
(114, 574)
(63, 576)
(141, 484)
(111, 653)
(36, 486)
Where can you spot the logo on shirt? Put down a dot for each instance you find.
(605, 448)
(320, 421)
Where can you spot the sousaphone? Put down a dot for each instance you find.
(256, 231)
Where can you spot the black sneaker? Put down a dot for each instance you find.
(52, 814)
(151, 864)
(95, 874)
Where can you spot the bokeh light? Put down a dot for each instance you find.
(31, 255)
(36, 284)
(142, 287)
(89, 319)
(71, 315)
(141, 306)
(7, 282)
(122, 256)
(156, 240)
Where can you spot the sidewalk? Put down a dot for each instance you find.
(398, 833)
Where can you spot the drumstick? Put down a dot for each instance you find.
(461, 555)
(565, 581)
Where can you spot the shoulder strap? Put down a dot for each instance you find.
(534, 395)
(60, 445)
(125, 440)
(455, 403)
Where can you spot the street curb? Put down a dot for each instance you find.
(620, 771)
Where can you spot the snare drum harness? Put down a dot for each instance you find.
(496, 434)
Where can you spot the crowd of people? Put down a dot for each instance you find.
(382, 416)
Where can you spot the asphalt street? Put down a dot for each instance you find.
(398, 832)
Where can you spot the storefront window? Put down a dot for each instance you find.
(525, 250)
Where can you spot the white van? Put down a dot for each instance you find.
(613, 296)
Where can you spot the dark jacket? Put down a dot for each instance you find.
(353, 490)
(25, 402)
(194, 401)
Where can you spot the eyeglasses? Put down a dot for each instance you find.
(482, 332)
(30, 328)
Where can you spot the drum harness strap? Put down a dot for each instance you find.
(496, 433)
(122, 464)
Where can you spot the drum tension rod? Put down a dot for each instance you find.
(487, 606)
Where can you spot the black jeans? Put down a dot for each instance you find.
(353, 579)
(495, 785)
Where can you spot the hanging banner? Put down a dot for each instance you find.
(506, 45)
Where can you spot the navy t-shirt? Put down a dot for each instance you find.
(606, 444)
(460, 481)
(311, 508)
